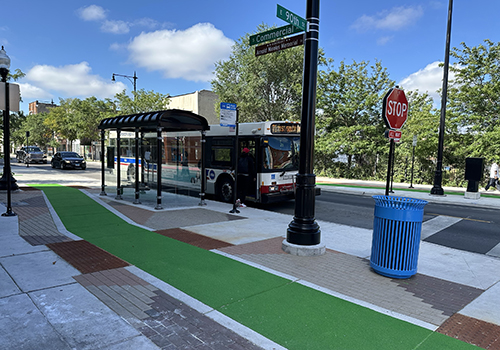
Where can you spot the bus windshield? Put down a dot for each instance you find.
(281, 153)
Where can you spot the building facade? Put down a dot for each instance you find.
(37, 107)
(203, 102)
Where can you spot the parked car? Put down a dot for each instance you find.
(68, 160)
(31, 154)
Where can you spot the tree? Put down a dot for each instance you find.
(61, 119)
(266, 87)
(142, 101)
(87, 116)
(423, 122)
(474, 105)
(40, 133)
(349, 123)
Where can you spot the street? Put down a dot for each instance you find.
(468, 228)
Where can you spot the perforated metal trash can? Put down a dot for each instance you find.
(396, 235)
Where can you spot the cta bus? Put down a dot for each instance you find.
(274, 147)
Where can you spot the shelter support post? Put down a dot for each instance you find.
(203, 177)
(118, 170)
(103, 180)
(136, 172)
(159, 157)
(143, 162)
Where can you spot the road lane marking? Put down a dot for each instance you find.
(437, 224)
(458, 217)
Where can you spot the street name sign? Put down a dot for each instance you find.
(395, 108)
(279, 45)
(394, 134)
(228, 114)
(290, 17)
(14, 97)
(273, 34)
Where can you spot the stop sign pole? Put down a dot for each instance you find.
(394, 113)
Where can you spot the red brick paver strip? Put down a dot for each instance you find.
(195, 239)
(473, 331)
(86, 257)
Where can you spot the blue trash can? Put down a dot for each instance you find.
(396, 235)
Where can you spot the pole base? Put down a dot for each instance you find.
(303, 232)
(303, 250)
(3, 183)
(437, 191)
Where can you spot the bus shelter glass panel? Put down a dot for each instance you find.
(181, 172)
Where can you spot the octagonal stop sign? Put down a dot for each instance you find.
(395, 108)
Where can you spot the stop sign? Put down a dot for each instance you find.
(395, 108)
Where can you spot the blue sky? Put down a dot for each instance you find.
(71, 48)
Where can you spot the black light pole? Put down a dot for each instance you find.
(132, 79)
(437, 189)
(304, 230)
(7, 179)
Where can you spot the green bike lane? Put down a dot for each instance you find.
(290, 314)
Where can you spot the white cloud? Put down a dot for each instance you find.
(92, 13)
(115, 27)
(428, 79)
(29, 91)
(395, 19)
(384, 40)
(69, 81)
(99, 14)
(189, 54)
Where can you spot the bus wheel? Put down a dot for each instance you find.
(225, 190)
(131, 173)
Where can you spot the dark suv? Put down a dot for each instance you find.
(31, 154)
(68, 160)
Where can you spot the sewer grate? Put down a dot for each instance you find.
(86, 257)
(473, 331)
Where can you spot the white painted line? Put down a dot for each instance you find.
(244, 331)
(437, 224)
(210, 312)
(258, 266)
(376, 308)
(336, 294)
(114, 211)
(57, 221)
(495, 251)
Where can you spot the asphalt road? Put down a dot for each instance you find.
(477, 229)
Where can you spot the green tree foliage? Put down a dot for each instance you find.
(423, 122)
(40, 133)
(349, 122)
(141, 101)
(266, 87)
(474, 101)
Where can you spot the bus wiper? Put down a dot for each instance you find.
(283, 173)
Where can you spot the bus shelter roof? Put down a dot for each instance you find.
(169, 120)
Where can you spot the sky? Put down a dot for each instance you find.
(70, 49)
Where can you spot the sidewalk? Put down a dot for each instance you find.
(78, 270)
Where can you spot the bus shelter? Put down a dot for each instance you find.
(150, 122)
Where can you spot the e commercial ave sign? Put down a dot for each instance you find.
(273, 34)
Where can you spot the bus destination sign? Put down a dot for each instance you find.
(285, 128)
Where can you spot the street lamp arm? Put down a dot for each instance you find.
(131, 78)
